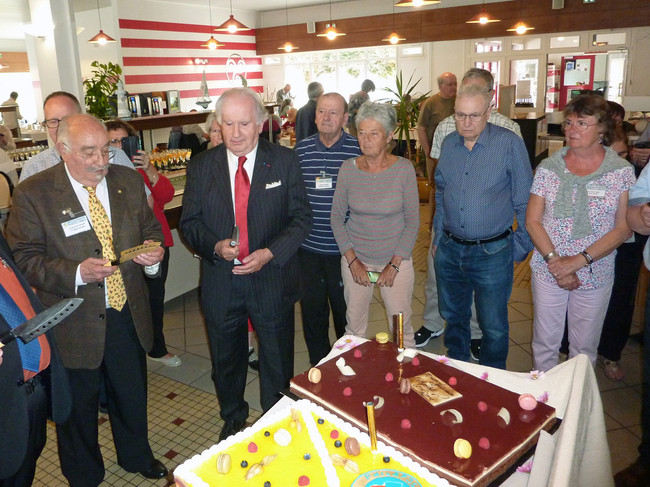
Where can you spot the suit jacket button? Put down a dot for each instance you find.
(97, 251)
(101, 317)
(20, 382)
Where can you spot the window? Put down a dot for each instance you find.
(608, 39)
(523, 74)
(565, 41)
(526, 44)
(487, 46)
(341, 71)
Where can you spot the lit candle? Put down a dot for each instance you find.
(372, 429)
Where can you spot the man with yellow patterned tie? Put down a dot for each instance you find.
(67, 223)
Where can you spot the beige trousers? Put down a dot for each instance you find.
(396, 299)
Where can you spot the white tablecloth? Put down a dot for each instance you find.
(581, 457)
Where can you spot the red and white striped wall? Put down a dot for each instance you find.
(162, 56)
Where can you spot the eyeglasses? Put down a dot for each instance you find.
(101, 154)
(623, 154)
(473, 117)
(579, 125)
(51, 123)
(115, 142)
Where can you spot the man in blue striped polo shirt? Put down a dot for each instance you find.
(321, 156)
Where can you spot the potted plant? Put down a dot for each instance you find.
(408, 113)
(100, 87)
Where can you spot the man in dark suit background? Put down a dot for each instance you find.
(23, 401)
(249, 182)
(306, 116)
(56, 225)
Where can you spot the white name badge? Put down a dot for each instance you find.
(75, 226)
(595, 191)
(323, 183)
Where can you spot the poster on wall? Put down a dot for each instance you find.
(173, 101)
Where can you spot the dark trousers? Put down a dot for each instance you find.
(616, 327)
(322, 287)
(125, 376)
(157, 299)
(37, 435)
(644, 447)
(229, 350)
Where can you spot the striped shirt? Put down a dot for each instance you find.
(448, 125)
(479, 192)
(318, 161)
(383, 208)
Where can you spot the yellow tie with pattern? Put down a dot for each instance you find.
(104, 232)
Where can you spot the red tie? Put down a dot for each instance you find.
(242, 190)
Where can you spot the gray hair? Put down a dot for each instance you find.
(471, 90)
(208, 122)
(8, 138)
(260, 111)
(478, 73)
(314, 90)
(383, 113)
(76, 120)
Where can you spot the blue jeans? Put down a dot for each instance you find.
(487, 271)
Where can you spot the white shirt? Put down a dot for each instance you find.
(101, 190)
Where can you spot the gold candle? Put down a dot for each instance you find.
(400, 330)
(372, 429)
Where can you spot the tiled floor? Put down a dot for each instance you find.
(184, 412)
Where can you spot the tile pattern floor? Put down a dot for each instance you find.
(184, 412)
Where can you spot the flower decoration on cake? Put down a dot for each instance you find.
(543, 398)
(347, 342)
(443, 359)
(526, 467)
(484, 376)
(535, 374)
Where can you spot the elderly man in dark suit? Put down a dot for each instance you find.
(256, 185)
(26, 383)
(67, 223)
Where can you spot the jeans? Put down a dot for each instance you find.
(486, 271)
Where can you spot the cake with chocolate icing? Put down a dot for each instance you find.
(460, 427)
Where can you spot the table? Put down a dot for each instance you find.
(579, 455)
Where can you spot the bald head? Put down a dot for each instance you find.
(447, 85)
(83, 145)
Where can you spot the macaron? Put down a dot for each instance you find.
(223, 463)
(527, 402)
(382, 337)
(314, 375)
(352, 447)
(405, 386)
(282, 437)
(462, 448)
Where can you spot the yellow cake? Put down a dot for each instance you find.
(306, 460)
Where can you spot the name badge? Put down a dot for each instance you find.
(75, 226)
(595, 191)
(324, 181)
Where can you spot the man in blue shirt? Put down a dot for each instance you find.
(321, 156)
(482, 179)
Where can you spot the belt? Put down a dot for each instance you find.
(462, 241)
(31, 384)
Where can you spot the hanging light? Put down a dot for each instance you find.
(520, 27)
(231, 25)
(330, 29)
(212, 43)
(483, 17)
(287, 46)
(393, 37)
(331, 32)
(415, 3)
(100, 38)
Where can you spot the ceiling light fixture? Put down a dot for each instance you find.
(415, 3)
(520, 27)
(393, 37)
(100, 38)
(483, 17)
(212, 43)
(232, 25)
(287, 46)
(330, 29)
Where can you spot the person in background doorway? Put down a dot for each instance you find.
(306, 116)
(10, 119)
(356, 100)
(162, 192)
(283, 94)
